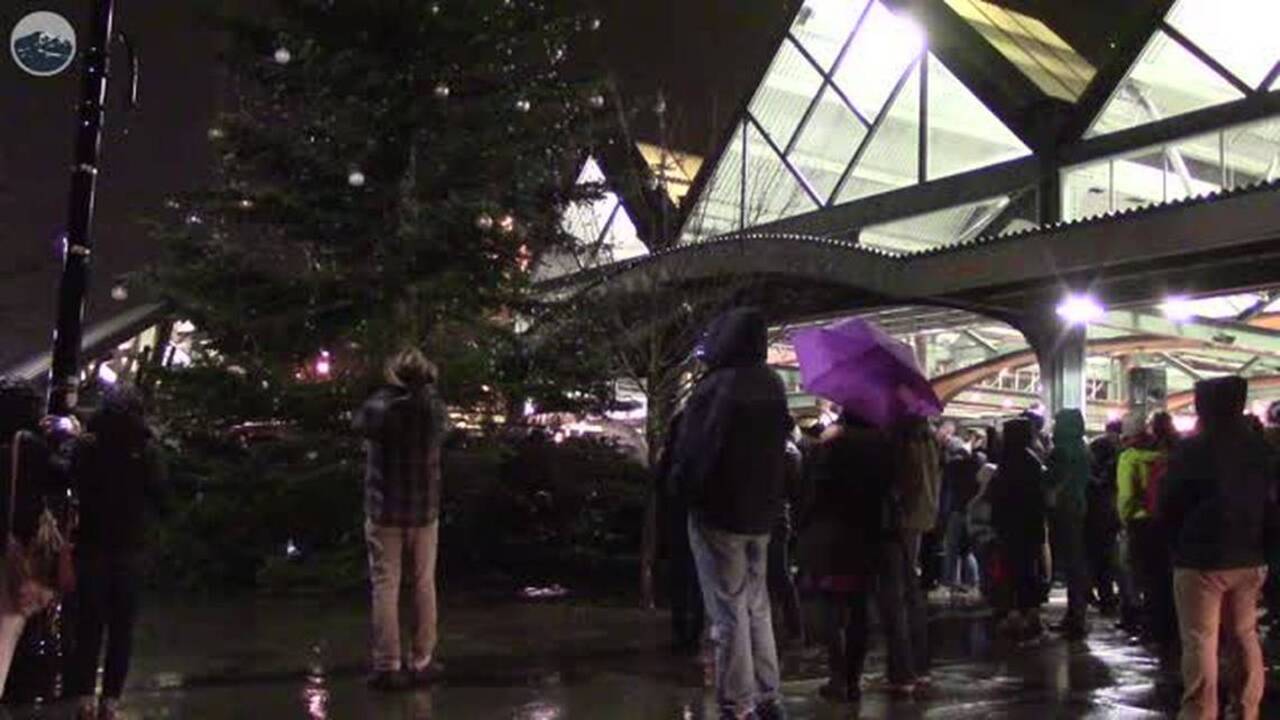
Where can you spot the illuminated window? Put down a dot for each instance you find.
(1167, 80)
(1192, 167)
(891, 158)
(790, 84)
(963, 133)
(934, 229)
(1240, 34)
(885, 46)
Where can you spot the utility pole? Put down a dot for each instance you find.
(64, 372)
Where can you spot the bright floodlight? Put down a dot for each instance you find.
(1080, 309)
(1178, 309)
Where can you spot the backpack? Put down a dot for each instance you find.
(1157, 469)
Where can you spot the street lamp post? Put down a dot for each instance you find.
(64, 370)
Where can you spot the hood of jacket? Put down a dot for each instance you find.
(737, 338)
(115, 427)
(1068, 426)
(1017, 436)
(1221, 399)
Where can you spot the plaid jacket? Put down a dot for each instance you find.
(403, 434)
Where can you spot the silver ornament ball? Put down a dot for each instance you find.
(596, 101)
(523, 105)
(355, 178)
(594, 24)
(441, 91)
(484, 222)
(283, 56)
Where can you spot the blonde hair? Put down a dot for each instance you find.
(411, 369)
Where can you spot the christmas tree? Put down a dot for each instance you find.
(387, 174)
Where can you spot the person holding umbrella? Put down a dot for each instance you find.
(843, 540)
(876, 379)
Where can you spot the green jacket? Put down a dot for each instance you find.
(1068, 476)
(1132, 472)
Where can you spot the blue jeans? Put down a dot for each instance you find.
(960, 568)
(733, 570)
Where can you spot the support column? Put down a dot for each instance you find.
(1061, 350)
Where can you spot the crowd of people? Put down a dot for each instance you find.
(1171, 535)
(87, 558)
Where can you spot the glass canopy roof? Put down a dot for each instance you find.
(1033, 47)
(839, 117)
(1205, 53)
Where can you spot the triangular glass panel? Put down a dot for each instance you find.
(622, 241)
(827, 143)
(1241, 34)
(787, 90)
(939, 228)
(823, 26)
(773, 191)
(883, 48)
(717, 209)
(963, 133)
(1167, 80)
(892, 156)
(586, 220)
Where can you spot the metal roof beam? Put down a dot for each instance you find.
(1227, 335)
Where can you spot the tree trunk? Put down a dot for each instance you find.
(658, 396)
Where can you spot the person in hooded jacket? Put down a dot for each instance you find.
(730, 462)
(1220, 510)
(1018, 515)
(404, 425)
(1102, 529)
(1139, 470)
(850, 522)
(1068, 483)
(118, 473)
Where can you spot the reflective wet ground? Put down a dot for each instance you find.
(303, 658)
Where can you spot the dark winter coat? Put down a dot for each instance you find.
(1101, 519)
(852, 514)
(1068, 480)
(1017, 491)
(959, 477)
(1217, 499)
(404, 435)
(119, 475)
(731, 454)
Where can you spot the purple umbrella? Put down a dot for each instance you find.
(857, 365)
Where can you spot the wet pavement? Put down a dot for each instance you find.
(304, 658)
